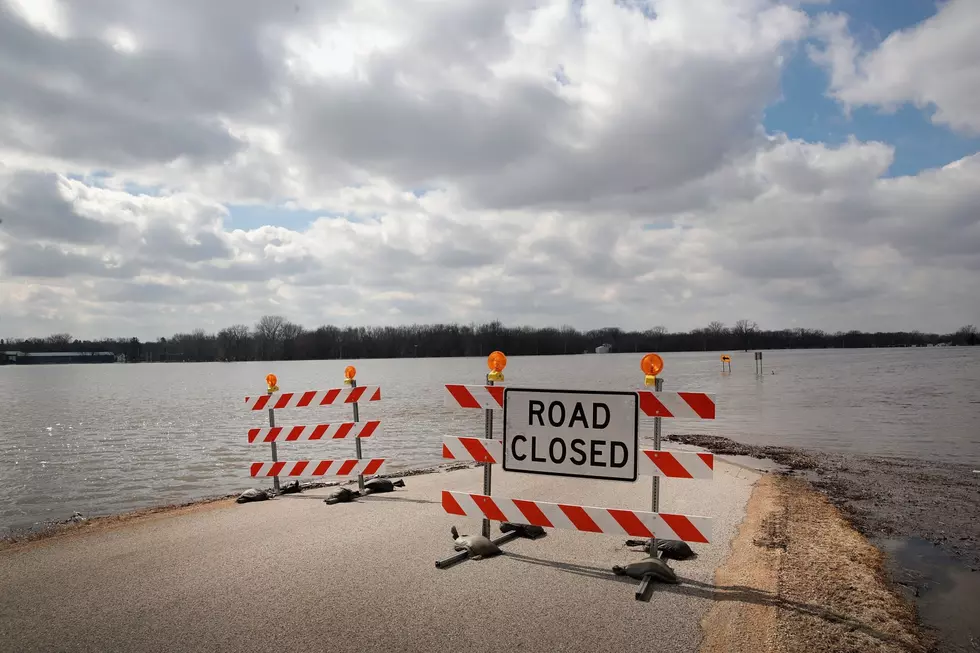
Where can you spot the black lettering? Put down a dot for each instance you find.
(513, 447)
(535, 407)
(551, 413)
(595, 454)
(551, 450)
(595, 415)
(612, 455)
(534, 451)
(578, 414)
(577, 449)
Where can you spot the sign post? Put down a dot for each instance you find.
(349, 373)
(273, 386)
(496, 362)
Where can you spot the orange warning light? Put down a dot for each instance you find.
(651, 364)
(349, 373)
(496, 362)
(273, 382)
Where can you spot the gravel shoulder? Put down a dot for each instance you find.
(800, 578)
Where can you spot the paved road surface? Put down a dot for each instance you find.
(295, 574)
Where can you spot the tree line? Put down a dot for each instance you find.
(274, 337)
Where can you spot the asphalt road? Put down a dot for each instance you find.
(295, 574)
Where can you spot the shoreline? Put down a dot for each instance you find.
(799, 577)
(879, 494)
(73, 526)
(922, 517)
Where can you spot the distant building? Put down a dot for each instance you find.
(603, 349)
(9, 357)
(56, 357)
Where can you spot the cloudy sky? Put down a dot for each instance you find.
(172, 165)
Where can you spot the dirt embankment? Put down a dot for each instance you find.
(800, 578)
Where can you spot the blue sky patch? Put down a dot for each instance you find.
(806, 112)
(253, 216)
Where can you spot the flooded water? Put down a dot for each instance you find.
(946, 594)
(110, 438)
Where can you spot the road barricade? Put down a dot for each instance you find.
(585, 434)
(356, 430)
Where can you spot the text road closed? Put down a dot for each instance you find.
(569, 433)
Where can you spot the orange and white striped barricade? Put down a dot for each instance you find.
(589, 434)
(273, 400)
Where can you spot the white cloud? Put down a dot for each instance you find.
(933, 65)
(494, 160)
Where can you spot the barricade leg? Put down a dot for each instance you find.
(459, 556)
(643, 591)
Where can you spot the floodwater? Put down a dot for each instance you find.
(946, 594)
(104, 439)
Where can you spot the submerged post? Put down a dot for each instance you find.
(272, 383)
(349, 373)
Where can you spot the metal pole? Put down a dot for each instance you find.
(488, 434)
(357, 442)
(275, 457)
(657, 424)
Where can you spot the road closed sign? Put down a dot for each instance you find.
(582, 433)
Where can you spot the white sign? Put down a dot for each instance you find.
(583, 433)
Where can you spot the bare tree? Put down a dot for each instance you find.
(567, 332)
(272, 335)
(743, 330)
(290, 333)
(269, 327)
(716, 327)
(233, 342)
(60, 340)
(968, 335)
(656, 333)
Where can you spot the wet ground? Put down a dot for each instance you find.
(925, 516)
(945, 592)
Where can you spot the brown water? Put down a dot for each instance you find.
(110, 438)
